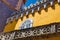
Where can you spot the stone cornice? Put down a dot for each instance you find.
(37, 31)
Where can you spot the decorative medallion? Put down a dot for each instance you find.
(26, 24)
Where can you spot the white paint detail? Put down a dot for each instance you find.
(32, 10)
(25, 8)
(26, 24)
(7, 20)
(38, 8)
(58, 1)
(12, 18)
(42, 1)
(27, 13)
(53, 28)
(17, 16)
(21, 15)
(45, 5)
(51, 3)
(37, 3)
(31, 5)
(28, 7)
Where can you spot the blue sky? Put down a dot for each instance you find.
(28, 2)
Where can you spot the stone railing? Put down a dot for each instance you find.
(37, 31)
(31, 8)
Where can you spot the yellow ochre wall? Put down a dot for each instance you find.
(52, 14)
(10, 26)
(48, 16)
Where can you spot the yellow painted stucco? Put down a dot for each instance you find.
(50, 15)
(10, 26)
(44, 17)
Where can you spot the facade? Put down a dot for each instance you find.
(37, 21)
(47, 14)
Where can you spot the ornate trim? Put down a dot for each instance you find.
(37, 31)
(31, 8)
